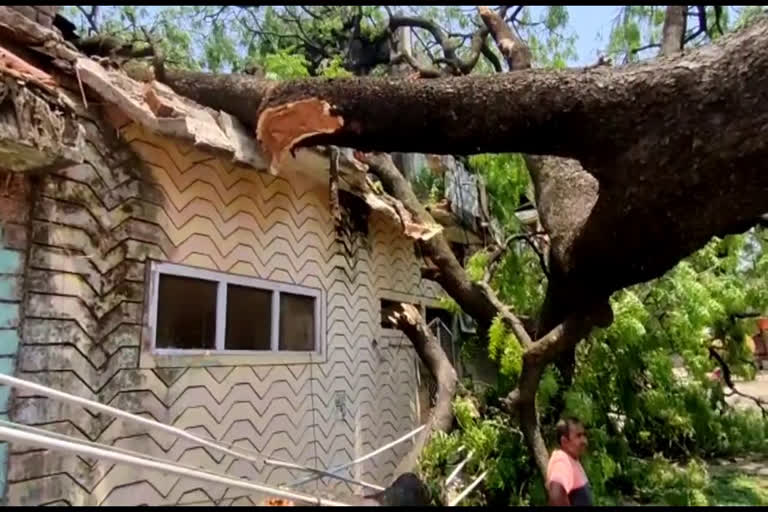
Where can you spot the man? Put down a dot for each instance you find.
(567, 483)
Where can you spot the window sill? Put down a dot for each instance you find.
(194, 358)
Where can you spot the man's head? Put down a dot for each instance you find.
(572, 437)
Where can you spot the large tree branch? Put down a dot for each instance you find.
(656, 140)
(424, 72)
(516, 53)
(673, 31)
(491, 58)
(631, 128)
(593, 116)
(472, 298)
(457, 65)
(408, 319)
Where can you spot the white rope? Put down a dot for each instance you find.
(209, 442)
(458, 468)
(455, 501)
(363, 458)
(321, 472)
(18, 435)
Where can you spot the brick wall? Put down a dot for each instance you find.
(14, 214)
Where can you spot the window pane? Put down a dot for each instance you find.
(186, 313)
(249, 318)
(297, 322)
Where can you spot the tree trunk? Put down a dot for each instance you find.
(655, 159)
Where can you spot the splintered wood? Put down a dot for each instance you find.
(280, 128)
(17, 67)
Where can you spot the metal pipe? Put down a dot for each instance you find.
(322, 472)
(19, 436)
(113, 411)
(64, 437)
(363, 458)
(455, 501)
(458, 468)
(212, 443)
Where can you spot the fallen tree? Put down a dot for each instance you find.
(634, 168)
(664, 155)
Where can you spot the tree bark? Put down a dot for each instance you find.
(565, 195)
(656, 158)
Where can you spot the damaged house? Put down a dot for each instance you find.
(152, 261)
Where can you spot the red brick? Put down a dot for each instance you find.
(14, 184)
(13, 210)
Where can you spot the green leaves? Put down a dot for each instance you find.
(649, 369)
(505, 349)
(285, 65)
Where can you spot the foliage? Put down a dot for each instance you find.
(736, 489)
(642, 410)
(495, 445)
(505, 349)
(637, 29)
(286, 65)
(506, 181)
(428, 186)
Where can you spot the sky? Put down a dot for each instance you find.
(589, 22)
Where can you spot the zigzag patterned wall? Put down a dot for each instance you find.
(95, 226)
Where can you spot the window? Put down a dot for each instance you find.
(195, 310)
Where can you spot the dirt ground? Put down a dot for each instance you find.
(757, 388)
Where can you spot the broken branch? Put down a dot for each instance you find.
(408, 319)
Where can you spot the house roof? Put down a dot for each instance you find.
(53, 76)
(48, 75)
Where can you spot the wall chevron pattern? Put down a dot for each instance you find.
(143, 197)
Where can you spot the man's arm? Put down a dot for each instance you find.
(558, 497)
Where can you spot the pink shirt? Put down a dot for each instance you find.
(568, 472)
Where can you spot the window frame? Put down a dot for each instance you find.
(222, 280)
